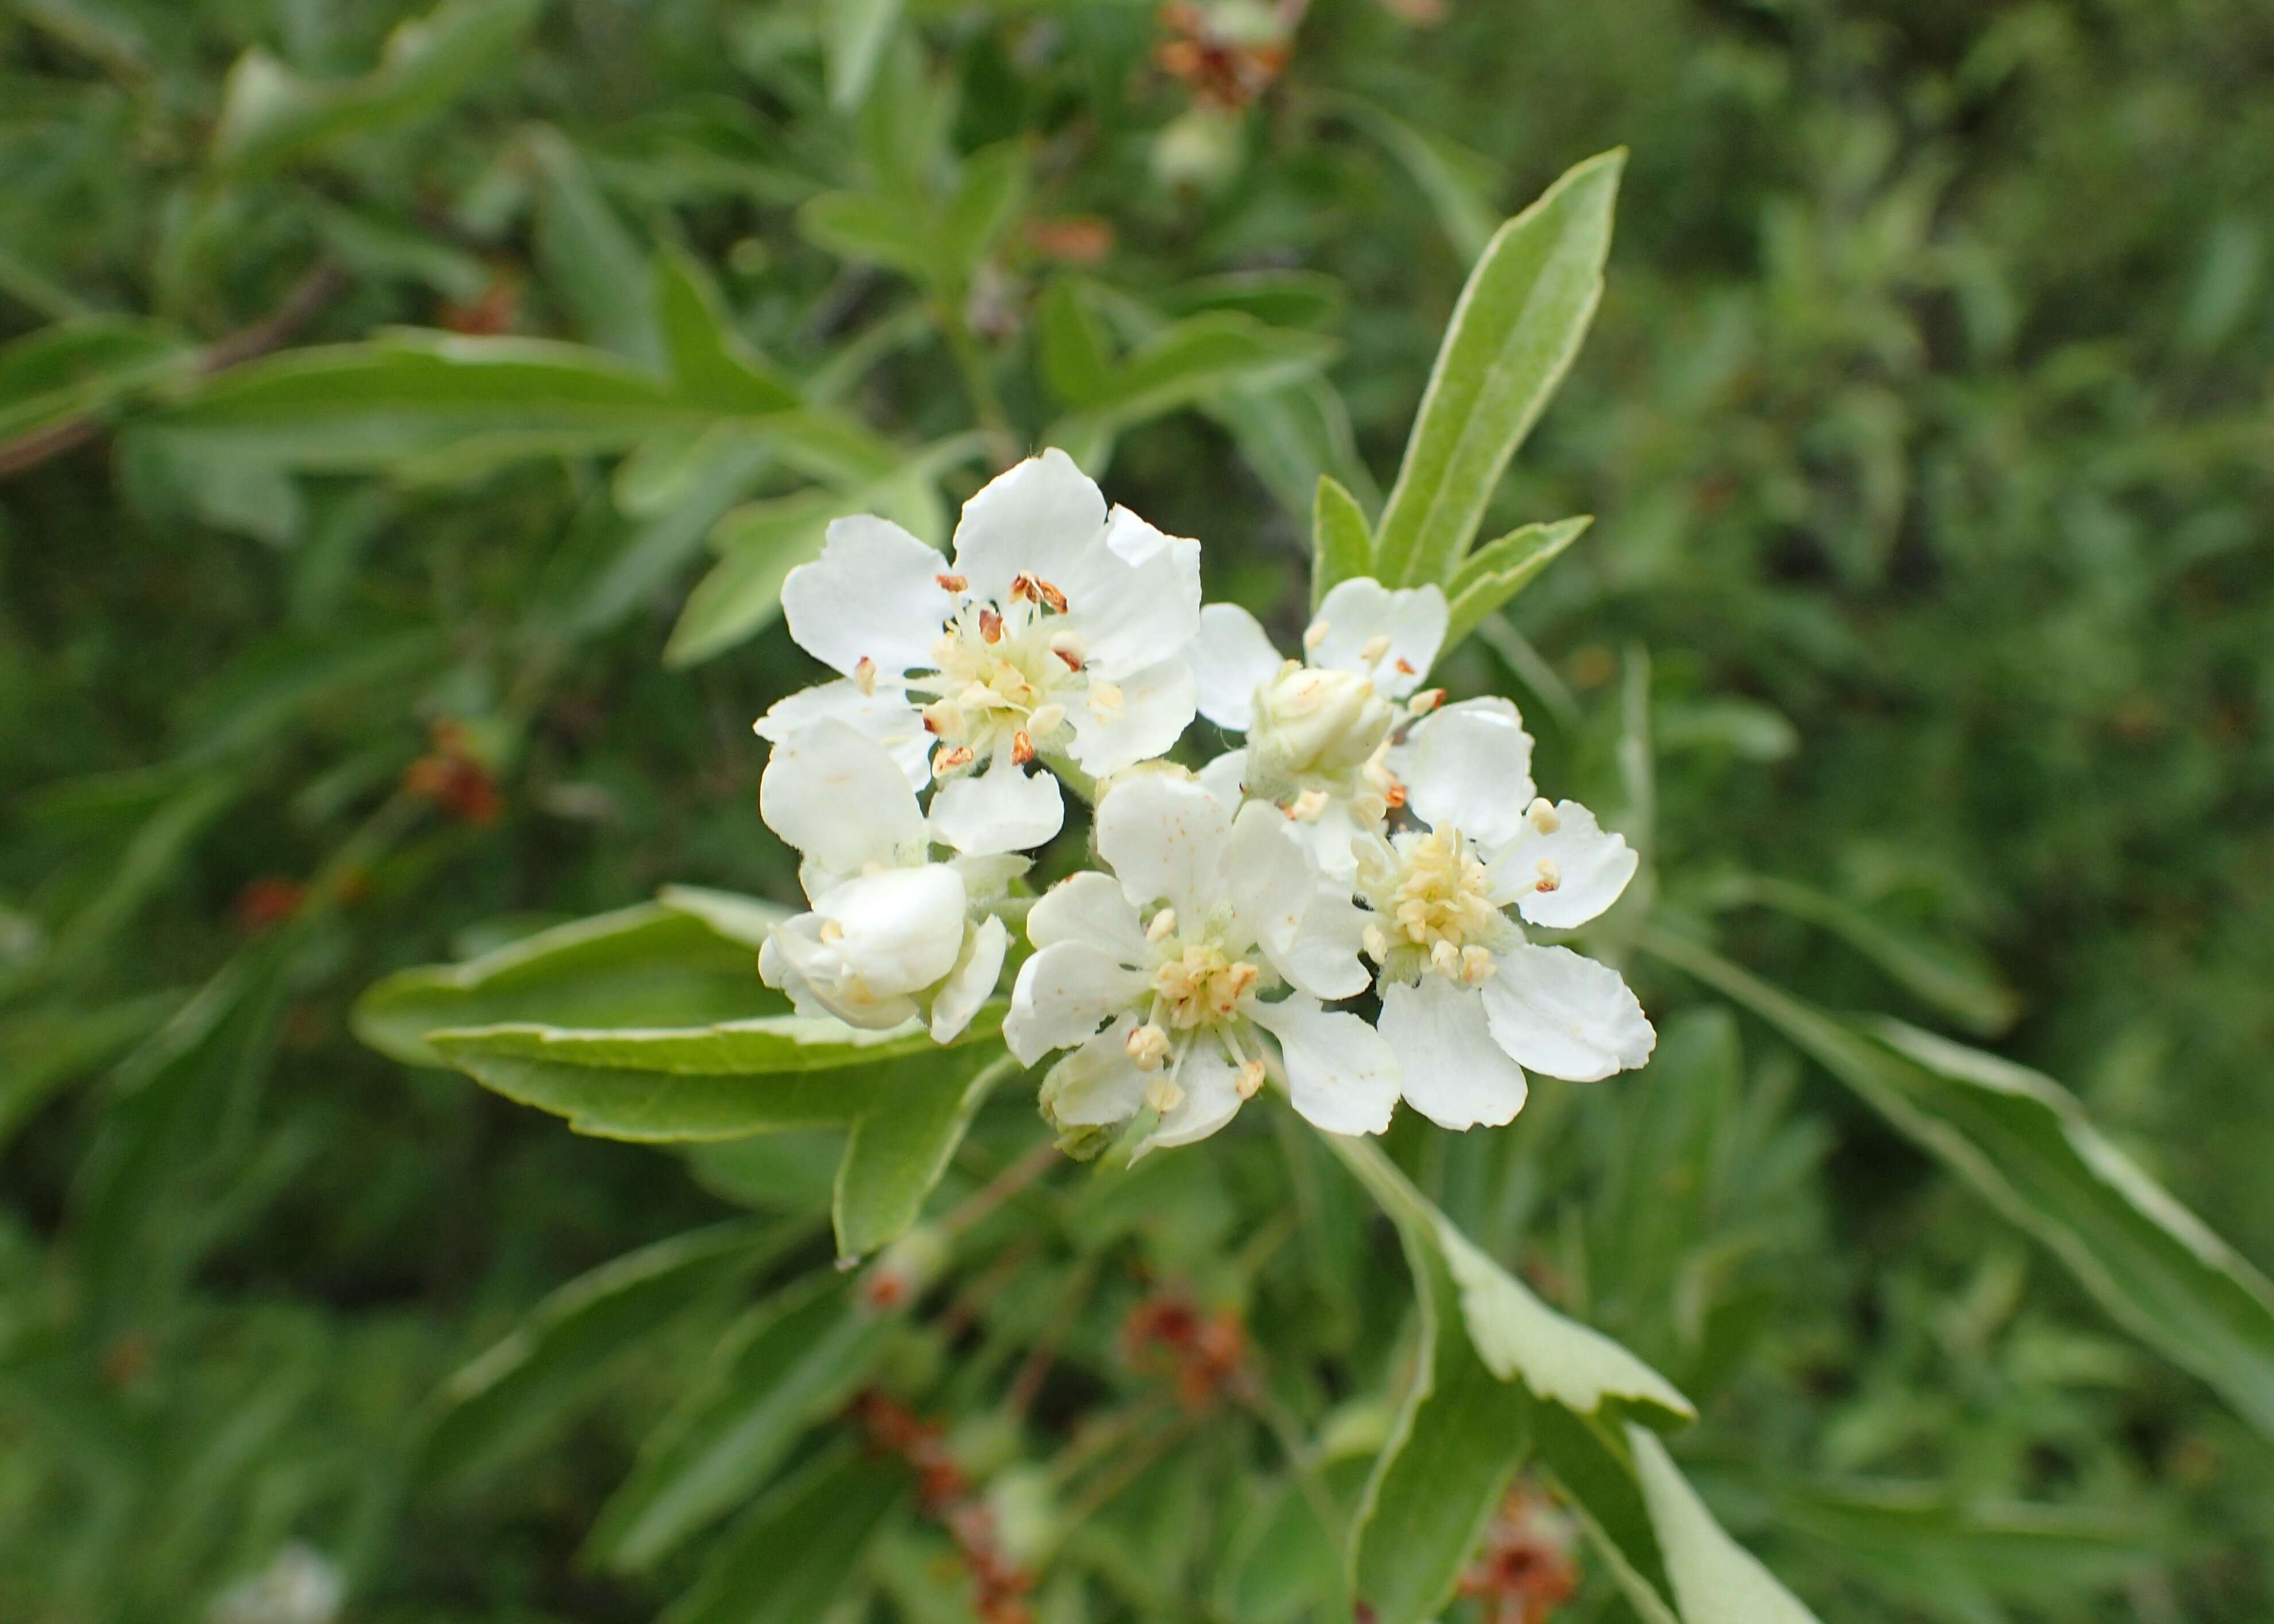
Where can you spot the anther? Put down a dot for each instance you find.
(1550, 876)
(1315, 636)
(1375, 647)
(1477, 964)
(1404, 667)
(1068, 647)
(1307, 807)
(1162, 1095)
(953, 583)
(1045, 721)
(1393, 796)
(1543, 816)
(1428, 700)
(1163, 926)
(1022, 749)
(1147, 1047)
(1377, 946)
(1250, 1079)
(1050, 596)
(948, 760)
(1023, 585)
(990, 626)
(864, 674)
(1446, 958)
(832, 931)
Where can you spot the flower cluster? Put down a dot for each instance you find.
(1336, 909)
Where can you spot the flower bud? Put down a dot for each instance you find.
(1311, 721)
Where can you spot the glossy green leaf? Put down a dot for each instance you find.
(271, 115)
(2026, 1146)
(649, 965)
(1497, 571)
(1514, 333)
(1342, 541)
(790, 1363)
(794, 1553)
(897, 1152)
(533, 1379)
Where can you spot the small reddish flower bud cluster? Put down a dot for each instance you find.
(944, 1490)
(268, 900)
(1207, 1353)
(1524, 1572)
(1226, 72)
(450, 776)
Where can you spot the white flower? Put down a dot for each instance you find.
(1318, 729)
(889, 931)
(297, 1587)
(1467, 1004)
(1156, 976)
(1060, 633)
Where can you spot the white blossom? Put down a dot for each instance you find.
(1165, 977)
(1059, 632)
(1319, 729)
(891, 932)
(1467, 1003)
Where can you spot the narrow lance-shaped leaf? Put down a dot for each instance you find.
(1514, 333)
(1497, 571)
(1341, 542)
(792, 1557)
(707, 1082)
(2027, 1147)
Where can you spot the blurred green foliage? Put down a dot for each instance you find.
(1925, 630)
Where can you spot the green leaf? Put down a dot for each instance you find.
(1459, 1436)
(1961, 986)
(792, 1557)
(711, 362)
(649, 965)
(1186, 364)
(987, 201)
(721, 467)
(271, 115)
(897, 1152)
(86, 365)
(1290, 436)
(789, 1362)
(1518, 1336)
(1076, 364)
(533, 1379)
(592, 261)
(854, 35)
(706, 1082)
(1499, 570)
(42, 1048)
(1342, 541)
(2027, 1147)
(1715, 1580)
(864, 228)
(1459, 182)
(375, 407)
(1513, 335)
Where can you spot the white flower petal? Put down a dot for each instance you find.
(1155, 707)
(1454, 1073)
(1089, 907)
(841, 799)
(1330, 838)
(883, 714)
(1163, 837)
(1038, 517)
(1263, 873)
(973, 979)
(1567, 1016)
(1063, 995)
(1098, 1084)
(1411, 623)
(1134, 595)
(871, 595)
(1233, 658)
(1468, 766)
(1322, 959)
(1001, 809)
(987, 877)
(1590, 868)
(1224, 777)
(896, 931)
(1341, 1074)
(1210, 1097)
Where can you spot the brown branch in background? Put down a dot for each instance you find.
(301, 305)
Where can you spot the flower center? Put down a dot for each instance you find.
(1197, 983)
(1004, 673)
(1436, 907)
